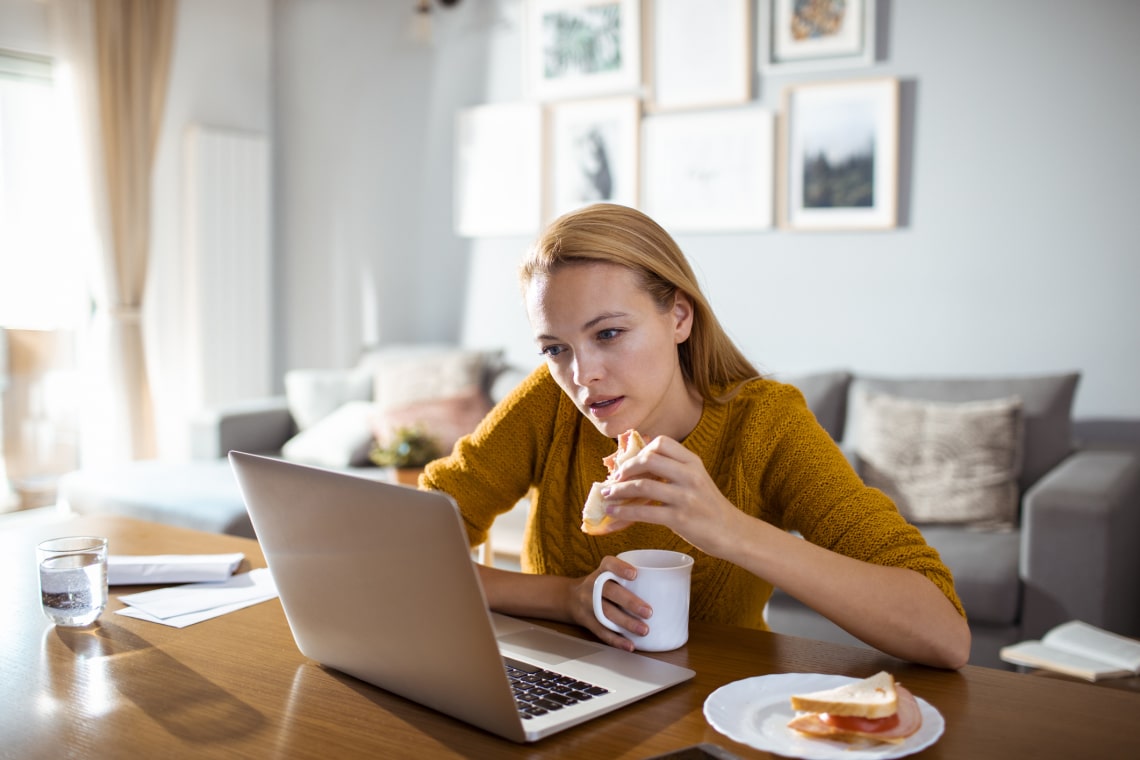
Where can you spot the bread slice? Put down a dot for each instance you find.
(595, 521)
(874, 697)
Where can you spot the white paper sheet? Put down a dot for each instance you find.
(180, 606)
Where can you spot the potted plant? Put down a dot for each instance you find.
(408, 449)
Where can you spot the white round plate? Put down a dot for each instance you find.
(756, 711)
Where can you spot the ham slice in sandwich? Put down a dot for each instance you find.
(873, 710)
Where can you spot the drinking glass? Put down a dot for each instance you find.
(73, 579)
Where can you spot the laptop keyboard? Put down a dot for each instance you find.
(539, 691)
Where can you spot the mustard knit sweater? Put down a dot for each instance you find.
(763, 449)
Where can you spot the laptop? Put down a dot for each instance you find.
(377, 581)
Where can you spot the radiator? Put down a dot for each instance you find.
(228, 265)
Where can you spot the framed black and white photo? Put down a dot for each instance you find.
(582, 48)
(841, 155)
(815, 35)
(699, 54)
(709, 171)
(592, 153)
(498, 170)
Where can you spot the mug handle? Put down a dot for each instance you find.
(599, 583)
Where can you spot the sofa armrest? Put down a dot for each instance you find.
(259, 425)
(1080, 530)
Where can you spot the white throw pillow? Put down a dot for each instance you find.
(947, 463)
(313, 394)
(341, 439)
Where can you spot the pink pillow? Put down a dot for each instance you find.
(447, 419)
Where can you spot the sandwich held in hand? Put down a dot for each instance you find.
(595, 521)
(875, 709)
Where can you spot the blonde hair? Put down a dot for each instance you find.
(613, 234)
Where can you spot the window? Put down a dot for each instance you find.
(44, 235)
(45, 240)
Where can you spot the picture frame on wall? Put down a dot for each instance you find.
(498, 170)
(698, 54)
(815, 35)
(710, 171)
(840, 155)
(582, 48)
(592, 153)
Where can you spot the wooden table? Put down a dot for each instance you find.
(236, 686)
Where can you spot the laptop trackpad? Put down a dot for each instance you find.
(546, 646)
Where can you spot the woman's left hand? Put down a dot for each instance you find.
(671, 487)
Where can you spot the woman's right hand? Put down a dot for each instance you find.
(621, 606)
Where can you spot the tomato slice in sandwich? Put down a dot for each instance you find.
(896, 711)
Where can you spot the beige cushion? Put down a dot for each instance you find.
(338, 440)
(948, 463)
(1046, 408)
(401, 380)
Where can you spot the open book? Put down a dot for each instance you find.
(1079, 649)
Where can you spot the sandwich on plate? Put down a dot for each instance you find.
(873, 710)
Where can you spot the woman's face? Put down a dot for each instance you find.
(612, 351)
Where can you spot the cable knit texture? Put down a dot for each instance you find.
(763, 449)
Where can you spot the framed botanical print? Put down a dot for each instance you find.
(840, 155)
(582, 48)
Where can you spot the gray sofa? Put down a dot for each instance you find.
(1070, 554)
(326, 418)
(1071, 551)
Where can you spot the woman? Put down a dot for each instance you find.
(734, 462)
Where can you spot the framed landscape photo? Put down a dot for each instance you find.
(592, 153)
(698, 54)
(814, 35)
(709, 171)
(841, 155)
(582, 48)
(498, 170)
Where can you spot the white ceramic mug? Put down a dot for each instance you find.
(663, 582)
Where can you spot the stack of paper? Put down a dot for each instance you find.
(180, 606)
(170, 568)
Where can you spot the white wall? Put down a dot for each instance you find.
(364, 116)
(1016, 256)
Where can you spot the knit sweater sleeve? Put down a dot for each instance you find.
(489, 470)
(810, 487)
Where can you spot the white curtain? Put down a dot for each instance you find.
(116, 56)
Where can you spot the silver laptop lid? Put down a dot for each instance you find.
(376, 581)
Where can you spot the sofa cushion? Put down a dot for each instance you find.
(341, 439)
(941, 462)
(1046, 403)
(402, 374)
(445, 419)
(400, 380)
(202, 495)
(826, 396)
(985, 568)
(313, 394)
